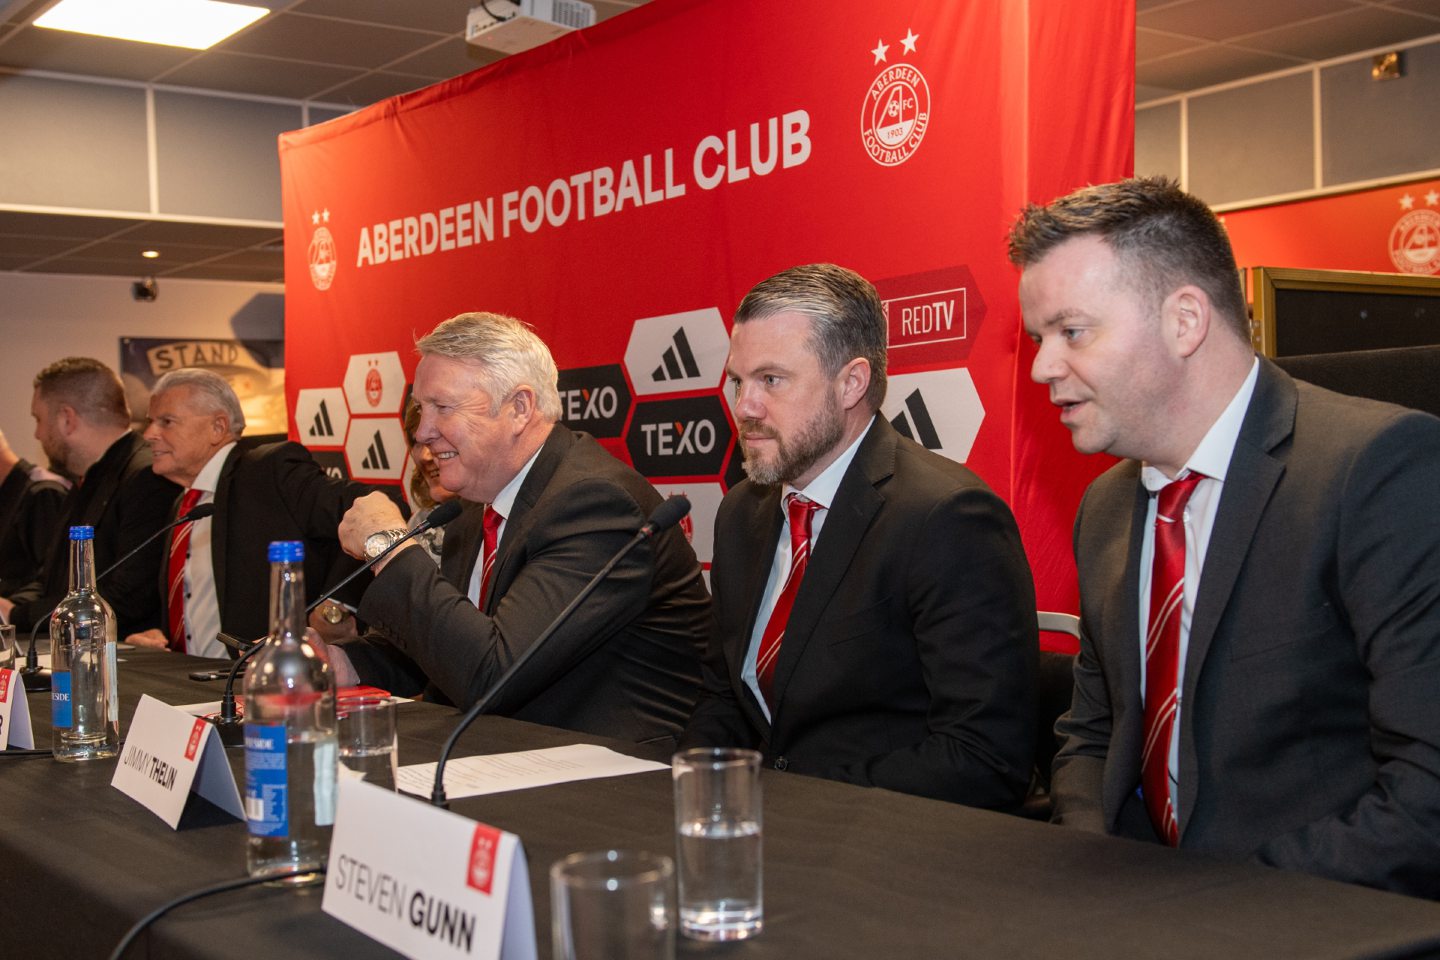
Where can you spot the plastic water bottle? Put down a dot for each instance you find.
(290, 745)
(84, 685)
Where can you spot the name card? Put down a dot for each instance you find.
(15, 727)
(167, 754)
(427, 882)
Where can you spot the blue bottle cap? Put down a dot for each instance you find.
(82, 533)
(288, 551)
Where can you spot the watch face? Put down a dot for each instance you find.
(375, 544)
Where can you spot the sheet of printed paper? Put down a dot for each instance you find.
(498, 772)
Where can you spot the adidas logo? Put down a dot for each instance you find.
(678, 360)
(322, 427)
(914, 422)
(375, 457)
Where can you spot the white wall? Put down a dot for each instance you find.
(44, 317)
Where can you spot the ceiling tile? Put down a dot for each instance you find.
(440, 16)
(35, 48)
(156, 232)
(33, 247)
(1345, 33)
(221, 272)
(320, 40)
(107, 268)
(445, 60)
(55, 225)
(1227, 19)
(1150, 44)
(1429, 8)
(238, 73)
(1208, 66)
(372, 87)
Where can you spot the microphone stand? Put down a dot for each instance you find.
(229, 722)
(35, 677)
(664, 516)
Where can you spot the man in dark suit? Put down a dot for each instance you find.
(31, 500)
(83, 424)
(890, 638)
(1276, 545)
(215, 576)
(556, 508)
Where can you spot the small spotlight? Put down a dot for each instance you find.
(149, 254)
(145, 290)
(1387, 66)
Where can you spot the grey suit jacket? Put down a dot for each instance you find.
(625, 665)
(909, 656)
(1310, 732)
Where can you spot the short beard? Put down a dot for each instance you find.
(794, 457)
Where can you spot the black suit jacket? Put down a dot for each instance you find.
(909, 656)
(625, 665)
(1309, 732)
(272, 492)
(30, 512)
(123, 499)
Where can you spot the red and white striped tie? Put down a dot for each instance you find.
(800, 510)
(491, 522)
(1162, 653)
(179, 553)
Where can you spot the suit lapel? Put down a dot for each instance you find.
(1250, 481)
(219, 531)
(856, 502)
(758, 531)
(1119, 631)
(508, 559)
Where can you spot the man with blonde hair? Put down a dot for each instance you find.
(548, 507)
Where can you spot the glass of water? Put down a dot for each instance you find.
(717, 842)
(367, 738)
(612, 905)
(7, 646)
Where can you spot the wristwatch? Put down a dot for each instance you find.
(378, 543)
(332, 613)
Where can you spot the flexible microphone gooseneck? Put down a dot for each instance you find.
(228, 720)
(36, 679)
(665, 516)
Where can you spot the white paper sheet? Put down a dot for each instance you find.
(499, 772)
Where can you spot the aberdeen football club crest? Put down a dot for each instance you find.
(896, 111)
(1415, 238)
(321, 253)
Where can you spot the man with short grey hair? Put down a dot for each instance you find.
(214, 575)
(548, 507)
(887, 635)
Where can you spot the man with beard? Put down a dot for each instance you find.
(890, 639)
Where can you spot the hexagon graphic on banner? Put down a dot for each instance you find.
(699, 523)
(374, 383)
(321, 417)
(940, 410)
(677, 352)
(375, 448)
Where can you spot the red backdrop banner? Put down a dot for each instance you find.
(622, 188)
(1392, 229)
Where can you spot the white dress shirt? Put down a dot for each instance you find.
(202, 601)
(821, 491)
(1211, 458)
(503, 504)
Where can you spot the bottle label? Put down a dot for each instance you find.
(60, 700)
(326, 757)
(267, 807)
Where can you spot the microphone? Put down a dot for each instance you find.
(36, 679)
(228, 720)
(662, 518)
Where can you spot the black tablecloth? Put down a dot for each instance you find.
(849, 872)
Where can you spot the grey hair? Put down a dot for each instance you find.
(847, 319)
(213, 393)
(508, 352)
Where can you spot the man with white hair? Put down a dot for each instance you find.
(215, 574)
(548, 507)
